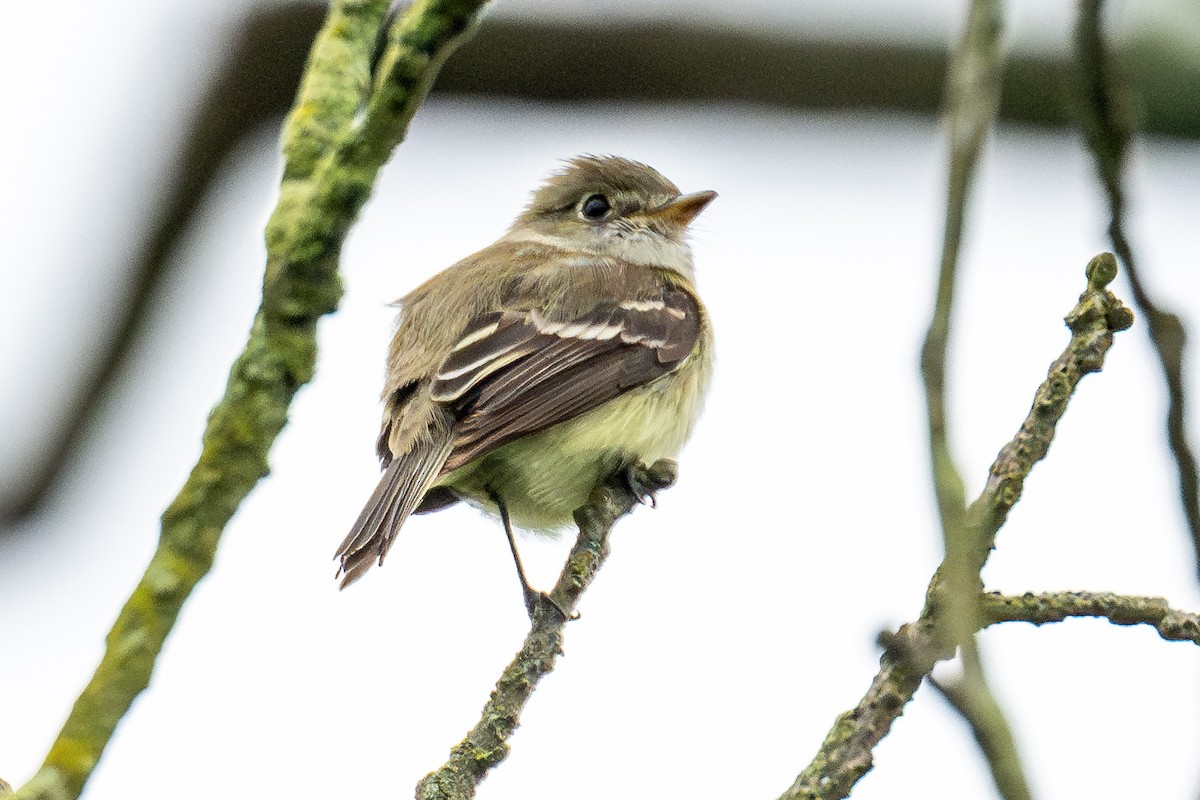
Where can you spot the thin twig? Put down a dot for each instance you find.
(845, 756)
(321, 195)
(487, 743)
(972, 97)
(1119, 609)
(1041, 609)
(1107, 121)
(972, 103)
(971, 698)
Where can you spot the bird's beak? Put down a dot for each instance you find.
(682, 210)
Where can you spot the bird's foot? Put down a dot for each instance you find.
(534, 598)
(646, 482)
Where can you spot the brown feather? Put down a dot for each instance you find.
(400, 491)
(566, 377)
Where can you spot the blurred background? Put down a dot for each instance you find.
(733, 623)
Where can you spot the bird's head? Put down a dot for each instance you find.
(611, 206)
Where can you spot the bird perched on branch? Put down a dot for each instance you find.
(524, 375)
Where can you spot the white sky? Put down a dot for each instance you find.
(732, 624)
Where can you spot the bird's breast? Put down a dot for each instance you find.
(544, 477)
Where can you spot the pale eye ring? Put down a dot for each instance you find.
(595, 207)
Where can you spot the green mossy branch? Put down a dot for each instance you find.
(328, 174)
(911, 653)
(486, 745)
(334, 85)
(417, 46)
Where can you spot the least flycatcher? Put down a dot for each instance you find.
(524, 375)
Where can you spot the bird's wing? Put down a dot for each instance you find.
(514, 373)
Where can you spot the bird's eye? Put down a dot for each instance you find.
(595, 207)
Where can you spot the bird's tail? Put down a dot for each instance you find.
(400, 490)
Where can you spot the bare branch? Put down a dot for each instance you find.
(911, 653)
(845, 755)
(1106, 116)
(972, 97)
(973, 101)
(971, 697)
(1041, 609)
(487, 743)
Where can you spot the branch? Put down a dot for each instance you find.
(1041, 609)
(845, 755)
(1093, 322)
(972, 97)
(973, 101)
(910, 654)
(322, 192)
(487, 743)
(1106, 116)
(971, 698)
(993, 736)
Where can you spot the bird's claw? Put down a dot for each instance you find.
(534, 598)
(646, 482)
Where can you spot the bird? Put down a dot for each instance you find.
(518, 379)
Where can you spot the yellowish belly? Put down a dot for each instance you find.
(544, 477)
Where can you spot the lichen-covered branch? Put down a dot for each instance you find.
(1119, 609)
(1106, 116)
(846, 754)
(910, 654)
(322, 192)
(1093, 322)
(487, 743)
(1041, 609)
